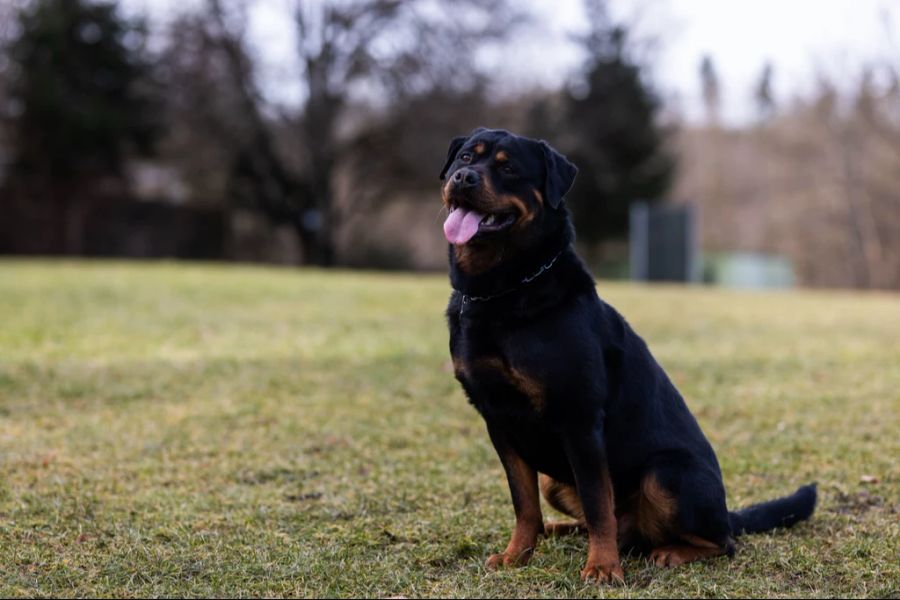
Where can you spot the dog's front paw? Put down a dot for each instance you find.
(606, 573)
(507, 559)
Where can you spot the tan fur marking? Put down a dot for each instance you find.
(526, 215)
(501, 156)
(603, 549)
(539, 196)
(655, 510)
(561, 496)
(529, 386)
(699, 541)
(493, 363)
(459, 367)
(561, 528)
(480, 148)
(445, 192)
(529, 521)
(679, 554)
(472, 261)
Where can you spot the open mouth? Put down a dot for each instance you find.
(464, 223)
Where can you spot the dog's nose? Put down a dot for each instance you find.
(466, 178)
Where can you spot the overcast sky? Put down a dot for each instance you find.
(800, 38)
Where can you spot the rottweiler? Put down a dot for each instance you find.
(576, 407)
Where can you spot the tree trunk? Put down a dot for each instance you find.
(323, 246)
(319, 125)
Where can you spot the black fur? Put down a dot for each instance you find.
(783, 512)
(604, 397)
(559, 175)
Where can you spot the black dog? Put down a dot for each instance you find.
(574, 402)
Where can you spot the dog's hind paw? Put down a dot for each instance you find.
(674, 556)
(560, 528)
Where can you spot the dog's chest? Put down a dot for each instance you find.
(497, 379)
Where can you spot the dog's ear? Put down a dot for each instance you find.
(559, 175)
(455, 145)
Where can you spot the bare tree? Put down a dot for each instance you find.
(711, 89)
(390, 49)
(763, 94)
(376, 54)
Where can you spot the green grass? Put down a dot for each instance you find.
(204, 430)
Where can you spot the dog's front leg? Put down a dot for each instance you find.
(523, 487)
(585, 450)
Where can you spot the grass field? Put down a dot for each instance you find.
(208, 430)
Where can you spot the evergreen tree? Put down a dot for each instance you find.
(613, 136)
(82, 105)
(81, 92)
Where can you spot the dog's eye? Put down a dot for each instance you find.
(465, 157)
(507, 170)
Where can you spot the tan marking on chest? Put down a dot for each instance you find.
(459, 368)
(473, 261)
(530, 387)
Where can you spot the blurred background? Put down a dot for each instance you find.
(752, 144)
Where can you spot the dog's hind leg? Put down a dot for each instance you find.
(564, 498)
(687, 526)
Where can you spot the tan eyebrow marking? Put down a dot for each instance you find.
(502, 156)
(480, 148)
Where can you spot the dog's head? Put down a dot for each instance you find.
(502, 191)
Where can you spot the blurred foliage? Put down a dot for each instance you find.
(616, 140)
(383, 85)
(82, 92)
(362, 65)
(608, 121)
(344, 171)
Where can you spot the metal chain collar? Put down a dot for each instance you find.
(467, 298)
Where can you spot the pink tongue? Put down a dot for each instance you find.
(461, 225)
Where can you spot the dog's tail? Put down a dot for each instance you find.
(783, 512)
